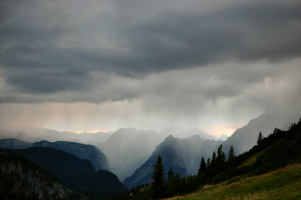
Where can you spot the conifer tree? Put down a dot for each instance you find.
(260, 137)
(213, 160)
(202, 169)
(220, 159)
(213, 166)
(208, 165)
(223, 158)
(231, 154)
(170, 173)
(157, 188)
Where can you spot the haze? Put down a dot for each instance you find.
(102, 65)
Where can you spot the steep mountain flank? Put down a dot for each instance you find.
(245, 138)
(21, 179)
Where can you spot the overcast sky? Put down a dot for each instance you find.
(102, 65)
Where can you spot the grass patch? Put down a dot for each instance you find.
(252, 159)
(144, 189)
(284, 183)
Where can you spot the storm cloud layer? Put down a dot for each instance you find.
(170, 60)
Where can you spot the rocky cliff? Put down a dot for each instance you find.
(22, 179)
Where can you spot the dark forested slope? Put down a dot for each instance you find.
(22, 179)
(75, 174)
(98, 159)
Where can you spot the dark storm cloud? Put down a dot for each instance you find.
(48, 50)
(267, 30)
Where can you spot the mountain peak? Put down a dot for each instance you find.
(223, 137)
(169, 139)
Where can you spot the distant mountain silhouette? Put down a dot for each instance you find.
(24, 137)
(183, 155)
(179, 133)
(83, 151)
(223, 137)
(6, 134)
(14, 144)
(33, 134)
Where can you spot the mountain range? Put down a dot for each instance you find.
(128, 148)
(130, 153)
(184, 155)
(34, 134)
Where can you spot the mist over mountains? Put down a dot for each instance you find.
(128, 148)
(130, 153)
(34, 134)
(183, 155)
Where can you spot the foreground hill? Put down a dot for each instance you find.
(98, 159)
(284, 183)
(22, 179)
(75, 174)
(183, 155)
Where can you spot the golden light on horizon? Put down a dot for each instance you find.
(227, 129)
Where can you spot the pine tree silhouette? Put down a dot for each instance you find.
(158, 187)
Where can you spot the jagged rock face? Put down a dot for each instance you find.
(98, 159)
(21, 179)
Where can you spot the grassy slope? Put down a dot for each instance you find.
(283, 183)
(251, 160)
